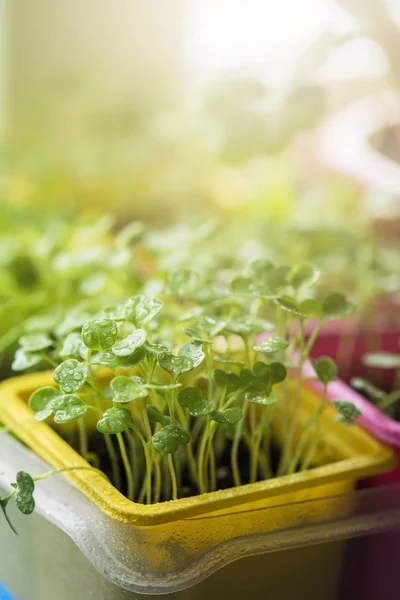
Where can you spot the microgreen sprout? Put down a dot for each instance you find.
(160, 401)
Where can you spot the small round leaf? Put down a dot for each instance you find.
(140, 310)
(305, 275)
(169, 438)
(67, 408)
(40, 400)
(25, 360)
(175, 365)
(70, 375)
(278, 372)
(261, 400)
(114, 420)
(194, 351)
(131, 343)
(157, 416)
(192, 399)
(325, 369)
(336, 306)
(230, 415)
(127, 389)
(25, 487)
(111, 360)
(99, 334)
(272, 345)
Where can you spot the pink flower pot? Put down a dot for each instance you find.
(346, 342)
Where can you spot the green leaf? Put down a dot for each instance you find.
(230, 415)
(262, 371)
(278, 372)
(382, 360)
(131, 343)
(290, 305)
(157, 416)
(310, 308)
(155, 349)
(326, 369)
(272, 345)
(127, 389)
(111, 360)
(211, 326)
(192, 399)
(140, 310)
(225, 360)
(169, 438)
(305, 275)
(25, 486)
(175, 365)
(336, 306)
(346, 410)
(67, 408)
(70, 375)
(260, 400)
(241, 286)
(252, 383)
(261, 269)
(244, 326)
(25, 360)
(367, 388)
(34, 342)
(114, 420)
(230, 380)
(73, 347)
(99, 334)
(40, 400)
(194, 351)
(196, 336)
(183, 283)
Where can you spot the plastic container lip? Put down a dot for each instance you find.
(374, 420)
(54, 450)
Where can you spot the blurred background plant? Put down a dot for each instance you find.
(230, 116)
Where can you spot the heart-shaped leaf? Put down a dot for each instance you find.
(110, 360)
(325, 368)
(252, 383)
(169, 438)
(230, 415)
(131, 343)
(114, 420)
(278, 372)
(192, 399)
(127, 389)
(40, 400)
(67, 408)
(25, 486)
(261, 400)
(194, 351)
(25, 360)
(141, 310)
(272, 345)
(34, 342)
(262, 371)
(157, 416)
(305, 275)
(336, 306)
(230, 380)
(175, 365)
(99, 334)
(73, 347)
(70, 375)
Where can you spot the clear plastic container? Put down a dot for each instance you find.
(71, 549)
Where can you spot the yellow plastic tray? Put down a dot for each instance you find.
(352, 453)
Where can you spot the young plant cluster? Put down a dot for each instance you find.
(184, 393)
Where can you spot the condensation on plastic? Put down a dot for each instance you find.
(171, 546)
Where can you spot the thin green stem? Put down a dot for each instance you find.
(235, 448)
(127, 467)
(115, 470)
(173, 477)
(83, 441)
(147, 457)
